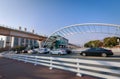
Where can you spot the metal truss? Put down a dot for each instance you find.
(102, 28)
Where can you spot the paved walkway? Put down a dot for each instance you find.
(13, 69)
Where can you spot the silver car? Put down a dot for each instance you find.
(58, 52)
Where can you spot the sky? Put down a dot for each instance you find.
(46, 16)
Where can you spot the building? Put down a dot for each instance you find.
(73, 46)
(16, 41)
(57, 42)
(11, 41)
(61, 42)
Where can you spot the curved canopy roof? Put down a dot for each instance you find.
(102, 28)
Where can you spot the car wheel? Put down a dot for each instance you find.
(104, 55)
(59, 54)
(50, 53)
(84, 54)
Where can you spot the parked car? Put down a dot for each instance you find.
(36, 50)
(58, 51)
(26, 50)
(43, 50)
(97, 52)
(68, 51)
(18, 51)
(30, 51)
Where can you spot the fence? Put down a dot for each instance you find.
(102, 69)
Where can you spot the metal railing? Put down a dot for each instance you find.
(97, 68)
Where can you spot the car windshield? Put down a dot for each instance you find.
(90, 49)
(96, 49)
(101, 49)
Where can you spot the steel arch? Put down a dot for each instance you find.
(87, 28)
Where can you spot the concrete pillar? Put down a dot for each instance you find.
(19, 41)
(12, 41)
(28, 42)
(5, 42)
(24, 41)
(39, 43)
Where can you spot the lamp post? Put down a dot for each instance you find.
(118, 40)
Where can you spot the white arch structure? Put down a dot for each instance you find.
(104, 28)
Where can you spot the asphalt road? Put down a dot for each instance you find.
(13, 69)
(115, 58)
(77, 55)
(73, 55)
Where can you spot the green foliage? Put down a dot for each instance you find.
(110, 41)
(107, 42)
(4, 49)
(95, 43)
(19, 48)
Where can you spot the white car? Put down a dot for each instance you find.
(43, 50)
(30, 51)
(58, 52)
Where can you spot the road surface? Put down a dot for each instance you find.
(13, 69)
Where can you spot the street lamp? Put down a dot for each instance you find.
(118, 40)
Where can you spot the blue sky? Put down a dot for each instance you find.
(46, 16)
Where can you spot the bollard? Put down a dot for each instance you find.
(26, 59)
(78, 69)
(35, 60)
(51, 63)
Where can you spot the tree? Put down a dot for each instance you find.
(107, 42)
(19, 48)
(94, 43)
(110, 41)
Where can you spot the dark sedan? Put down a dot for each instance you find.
(96, 52)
